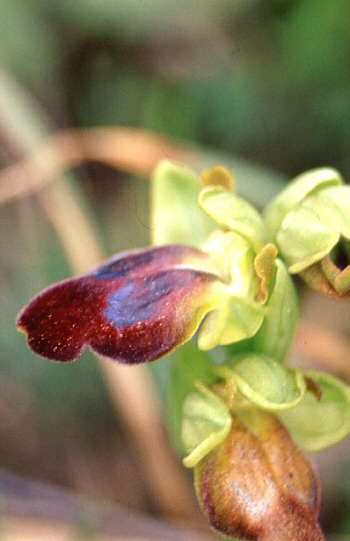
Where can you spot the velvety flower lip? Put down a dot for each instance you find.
(136, 307)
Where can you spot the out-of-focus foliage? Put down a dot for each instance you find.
(267, 79)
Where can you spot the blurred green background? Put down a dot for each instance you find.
(267, 81)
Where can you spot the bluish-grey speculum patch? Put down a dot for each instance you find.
(121, 266)
(137, 300)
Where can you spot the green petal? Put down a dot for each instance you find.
(307, 234)
(175, 214)
(233, 212)
(206, 423)
(264, 266)
(276, 333)
(265, 382)
(317, 424)
(296, 191)
(232, 259)
(234, 319)
(338, 200)
(219, 176)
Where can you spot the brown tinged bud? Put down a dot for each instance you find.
(257, 485)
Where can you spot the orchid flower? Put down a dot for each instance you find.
(221, 270)
(140, 305)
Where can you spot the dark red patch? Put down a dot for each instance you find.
(135, 308)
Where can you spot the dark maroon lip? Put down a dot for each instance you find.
(134, 308)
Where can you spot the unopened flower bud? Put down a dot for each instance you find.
(257, 485)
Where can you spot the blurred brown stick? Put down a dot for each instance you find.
(23, 126)
(35, 511)
(128, 149)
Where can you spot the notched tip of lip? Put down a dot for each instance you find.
(21, 328)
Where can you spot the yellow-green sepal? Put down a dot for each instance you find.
(234, 319)
(265, 382)
(206, 423)
(307, 234)
(320, 420)
(175, 214)
(337, 198)
(296, 191)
